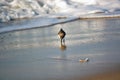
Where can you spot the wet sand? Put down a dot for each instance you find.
(115, 75)
(37, 54)
(112, 75)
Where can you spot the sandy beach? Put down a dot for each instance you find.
(112, 75)
(37, 54)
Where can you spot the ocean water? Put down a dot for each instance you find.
(37, 54)
(19, 9)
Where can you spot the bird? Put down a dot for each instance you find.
(61, 35)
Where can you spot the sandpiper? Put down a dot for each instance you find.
(61, 34)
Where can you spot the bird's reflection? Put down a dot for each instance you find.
(63, 46)
(62, 35)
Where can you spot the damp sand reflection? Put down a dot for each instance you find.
(40, 54)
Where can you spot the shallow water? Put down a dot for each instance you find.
(37, 54)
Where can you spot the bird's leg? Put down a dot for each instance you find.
(64, 41)
(61, 41)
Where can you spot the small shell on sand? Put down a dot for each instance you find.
(84, 60)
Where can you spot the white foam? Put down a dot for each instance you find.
(13, 9)
(54, 9)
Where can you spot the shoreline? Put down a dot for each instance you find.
(105, 17)
(59, 20)
(70, 17)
